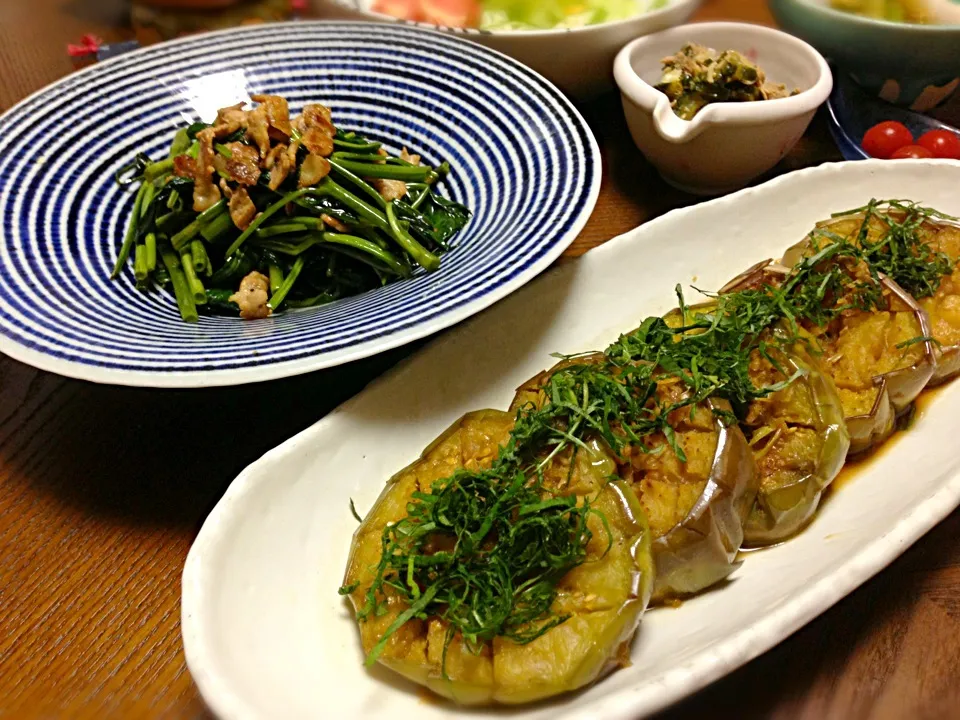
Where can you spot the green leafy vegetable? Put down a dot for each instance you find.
(344, 238)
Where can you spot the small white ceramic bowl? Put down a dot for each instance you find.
(726, 145)
(577, 60)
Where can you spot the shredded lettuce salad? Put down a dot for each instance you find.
(550, 14)
(908, 11)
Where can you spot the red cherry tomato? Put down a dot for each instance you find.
(914, 152)
(452, 13)
(941, 143)
(884, 139)
(402, 9)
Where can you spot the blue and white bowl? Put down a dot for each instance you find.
(523, 160)
(851, 111)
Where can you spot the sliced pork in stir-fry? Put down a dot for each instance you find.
(322, 213)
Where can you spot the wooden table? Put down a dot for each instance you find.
(103, 489)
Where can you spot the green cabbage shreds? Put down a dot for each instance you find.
(907, 11)
(550, 14)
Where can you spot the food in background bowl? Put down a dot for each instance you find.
(913, 65)
(911, 11)
(920, 12)
(515, 14)
(726, 144)
(697, 76)
(893, 140)
(572, 46)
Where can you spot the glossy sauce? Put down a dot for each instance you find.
(858, 463)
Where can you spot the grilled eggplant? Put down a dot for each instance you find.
(799, 440)
(697, 507)
(796, 433)
(879, 359)
(943, 308)
(933, 279)
(602, 599)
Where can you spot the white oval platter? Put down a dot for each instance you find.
(266, 635)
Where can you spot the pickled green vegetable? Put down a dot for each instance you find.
(697, 76)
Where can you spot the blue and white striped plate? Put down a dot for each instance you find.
(523, 159)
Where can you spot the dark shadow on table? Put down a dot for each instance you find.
(806, 666)
(157, 456)
(165, 457)
(112, 13)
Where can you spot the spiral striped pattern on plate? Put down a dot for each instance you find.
(523, 160)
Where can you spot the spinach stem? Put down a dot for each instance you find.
(181, 288)
(358, 147)
(267, 214)
(150, 244)
(412, 173)
(276, 278)
(193, 282)
(131, 235)
(294, 225)
(370, 248)
(180, 240)
(140, 263)
(277, 298)
(365, 211)
(149, 191)
(158, 169)
(359, 183)
(217, 228)
(418, 252)
(201, 261)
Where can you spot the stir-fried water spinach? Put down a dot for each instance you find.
(259, 211)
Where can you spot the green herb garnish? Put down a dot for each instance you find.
(485, 550)
(900, 252)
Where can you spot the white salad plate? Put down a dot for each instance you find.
(578, 59)
(265, 633)
(522, 159)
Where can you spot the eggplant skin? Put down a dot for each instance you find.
(605, 597)
(890, 393)
(786, 501)
(699, 549)
(808, 452)
(944, 308)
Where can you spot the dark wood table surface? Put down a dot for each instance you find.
(102, 490)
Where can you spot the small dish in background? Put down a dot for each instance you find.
(916, 66)
(727, 144)
(577, 60)
(851, 112)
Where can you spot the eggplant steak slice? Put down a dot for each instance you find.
(694, 477)
(448, 621)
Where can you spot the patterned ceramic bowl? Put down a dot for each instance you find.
(523, 160)
(851, 112)
(916, 66)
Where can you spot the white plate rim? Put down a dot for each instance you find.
(530, 34)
